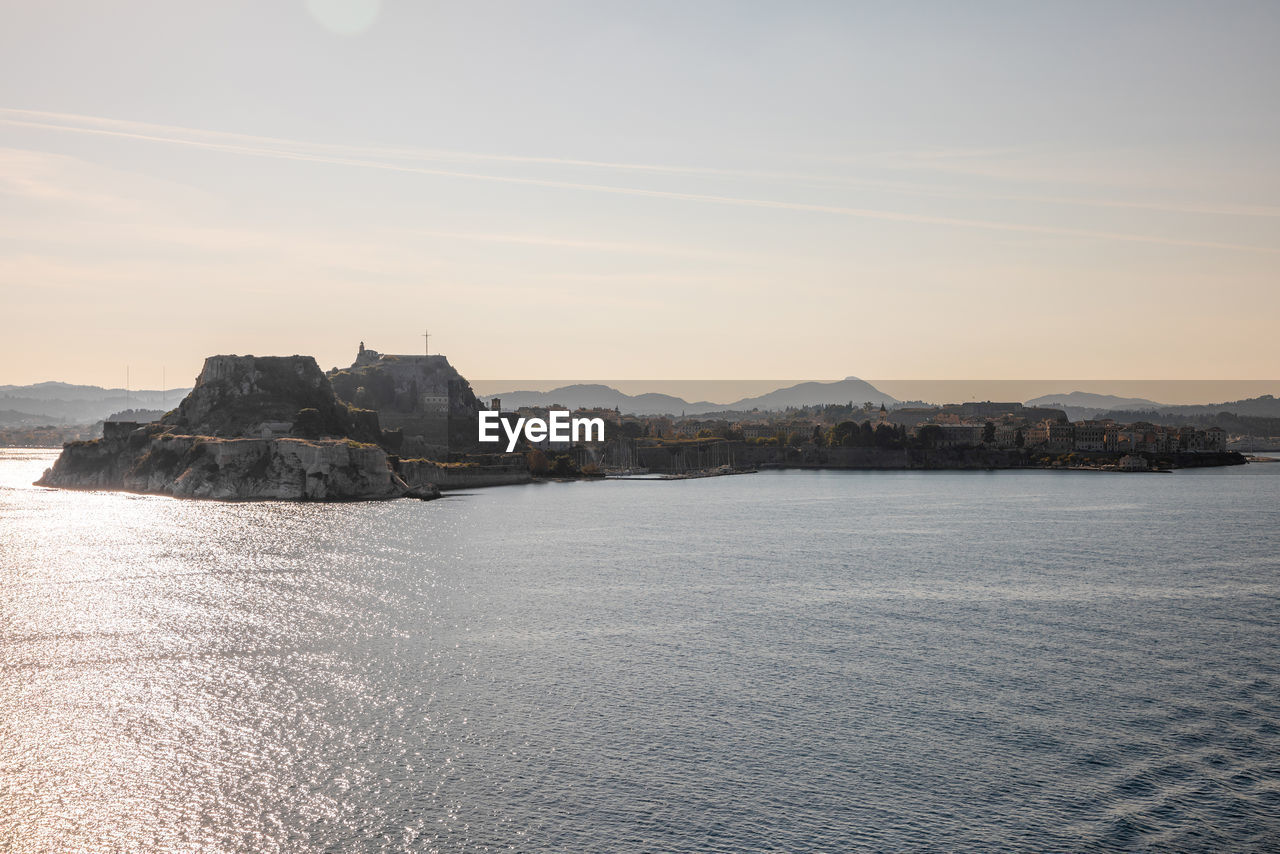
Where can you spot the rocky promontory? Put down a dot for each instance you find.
(253, 427)
(426, 408)
(146, 460)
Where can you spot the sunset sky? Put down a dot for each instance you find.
(637, 190)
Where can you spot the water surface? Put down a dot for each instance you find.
(782, 661)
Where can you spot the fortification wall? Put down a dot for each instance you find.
(420, 473)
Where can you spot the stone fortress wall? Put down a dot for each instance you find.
(422, 398)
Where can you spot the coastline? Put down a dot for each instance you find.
(239, 470)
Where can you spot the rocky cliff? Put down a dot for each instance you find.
(427, 408)
(252, 428)
(153, 461)
(241, 396)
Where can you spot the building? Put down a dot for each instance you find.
(1062, 436)
(434, 403)
(422, 398)
(1035, 435)
(758, 431)
(610, 416)
(1007, 436)
(271, 429)
(911, 416)
(118, 429)
(803, 429)
(1128, 440)
(1090, 436)
(988, 409)
(960, 435)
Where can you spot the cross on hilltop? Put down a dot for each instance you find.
(426, 343)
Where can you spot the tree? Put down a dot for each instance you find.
(929, 435)
(866, 435)
(564, 466)
(537, 462)
(988, 433)
(1019, 439)
(842, 434)
(886, 436)
(626, 430)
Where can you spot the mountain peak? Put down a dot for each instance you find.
(586, 395)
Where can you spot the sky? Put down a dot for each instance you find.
(711, 190)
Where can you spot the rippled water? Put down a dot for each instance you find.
(781, 661)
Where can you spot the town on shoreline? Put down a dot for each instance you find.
(410, 426)
(967, 435)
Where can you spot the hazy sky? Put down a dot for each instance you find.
(637, 190)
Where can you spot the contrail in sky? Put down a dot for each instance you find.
(315, 153)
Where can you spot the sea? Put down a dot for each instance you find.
(781, 661)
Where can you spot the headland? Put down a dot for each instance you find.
(395, 426)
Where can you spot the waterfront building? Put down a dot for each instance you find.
(1035, 435)
(1062, 436)
(1007, 436)
(960, 435)
(1090, 436)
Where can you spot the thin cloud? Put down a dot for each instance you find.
(161, 136)
(174, 133)
(946, 161)
(619, 247)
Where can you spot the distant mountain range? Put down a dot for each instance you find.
(583, 396)
(64, 403)
(1088, 400)
(591, 395)
(1265, 406)
(1084, 405)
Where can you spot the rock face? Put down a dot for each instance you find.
(242, 396)
(150, 460)
(423, 399)
(252, 428)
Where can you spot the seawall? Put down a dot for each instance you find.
(419, 473)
